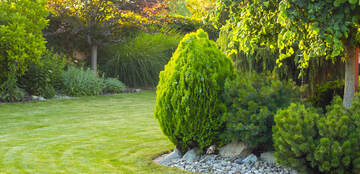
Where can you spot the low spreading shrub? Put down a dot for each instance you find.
(113, 85)
(319, 143)
(138, 61)
(44, 77)
(77, 82)
(252, 101)
(189, 106)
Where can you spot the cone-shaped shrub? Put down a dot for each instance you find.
(189, 107)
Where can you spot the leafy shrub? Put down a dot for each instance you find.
(21, 41)
(9, 91)
(139, 60)
(42, 78)
(313, 143)
(77, 82)
(324, 93)
(253, 100)
(113, 85)
(188, 106)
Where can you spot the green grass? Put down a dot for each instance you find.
(103, 134)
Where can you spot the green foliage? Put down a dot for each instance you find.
(113, 85)
(21, 41)
(325, 28)
(252, 101)
(189, 106)
(313, 143)
(138, 61)
(77, 82)
(324, 93)
(9, 91)
(44, 77)
(295, 137)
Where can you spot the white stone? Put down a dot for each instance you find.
(176, 154)
(41, 98)
(192, 155)
(268, 157)
(250, 159)
(211, 150)
(234, 150)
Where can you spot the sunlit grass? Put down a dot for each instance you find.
(103, 134)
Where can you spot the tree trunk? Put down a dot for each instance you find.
(349, 90)
(94, 58)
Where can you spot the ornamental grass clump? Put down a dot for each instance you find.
(189, 106)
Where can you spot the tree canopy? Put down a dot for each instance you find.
(299, 29)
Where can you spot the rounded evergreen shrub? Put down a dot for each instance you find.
(313, 143)
(295, 137)
(189, 106)
(252, 101)
(113, 85)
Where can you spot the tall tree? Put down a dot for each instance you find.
(300, 29)
(320, 28)
(96, 21)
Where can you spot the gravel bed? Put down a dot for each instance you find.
(219, 165)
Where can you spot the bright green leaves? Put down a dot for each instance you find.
(299, 29)
(189, 106)
(21, 39)
(323, 143)
(294, 136)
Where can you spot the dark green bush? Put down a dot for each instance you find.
(324, 93)
(253, 100)
(77, 82)
(9, 91)
(189, 106)
(295, 137)
(43, 78)
(113, 85)
(313, 143)
(138, 61)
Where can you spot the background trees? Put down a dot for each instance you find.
(96, 22)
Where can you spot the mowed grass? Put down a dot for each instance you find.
(102, 134)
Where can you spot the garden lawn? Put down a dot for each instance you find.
(102, 134)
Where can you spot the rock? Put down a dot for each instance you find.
(192, 155)
(137, 90)
(268, 157)
(41, 98)
(257, 164)
(176, 154)
(211, 150)
(250, 159)
(34, 97)
(232, 150)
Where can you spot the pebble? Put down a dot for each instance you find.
(222, 165)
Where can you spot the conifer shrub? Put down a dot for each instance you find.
(252, 101)
(295, 137)
(189, 107)
(319, 143)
